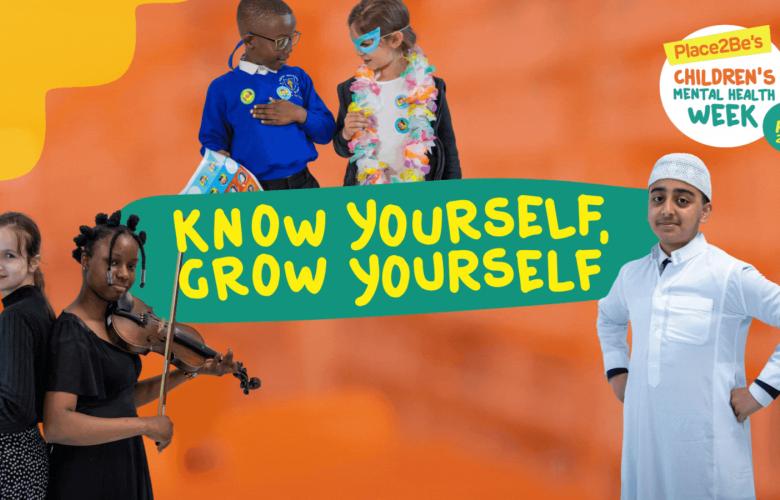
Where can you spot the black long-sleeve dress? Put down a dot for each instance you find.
(25, 324)
(103, 377)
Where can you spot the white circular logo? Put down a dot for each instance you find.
(721, 102)
(284, 92)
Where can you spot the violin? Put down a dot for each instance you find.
(134, 327)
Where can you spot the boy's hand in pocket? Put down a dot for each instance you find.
(618, 384)
(743, 403)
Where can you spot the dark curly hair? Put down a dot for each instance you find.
(110, 226)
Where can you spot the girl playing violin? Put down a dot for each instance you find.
(93, 387)
(24, 330)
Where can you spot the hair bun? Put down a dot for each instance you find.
(132, 222)
(116, 219)
(101, 219)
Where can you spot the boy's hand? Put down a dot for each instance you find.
(279, 112)
(743, 403)
(353, 122)
(618, 384)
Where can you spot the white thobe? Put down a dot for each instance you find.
(689, 324)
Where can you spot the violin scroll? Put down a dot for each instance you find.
(247, 383)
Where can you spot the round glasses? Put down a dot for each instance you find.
(283, 42)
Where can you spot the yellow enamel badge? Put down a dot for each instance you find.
(247, 96)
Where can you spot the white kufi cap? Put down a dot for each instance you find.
(683, 167)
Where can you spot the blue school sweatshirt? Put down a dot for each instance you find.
(268, 151)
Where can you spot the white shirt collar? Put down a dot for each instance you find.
(690, 250)
(254, 69)
(659, 256)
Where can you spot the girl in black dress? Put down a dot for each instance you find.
(93, 389)
(24, 330)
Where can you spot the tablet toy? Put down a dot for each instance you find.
(217, 173)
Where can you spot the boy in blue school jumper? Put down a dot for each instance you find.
(264, 114)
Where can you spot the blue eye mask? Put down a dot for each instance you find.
(374, 36)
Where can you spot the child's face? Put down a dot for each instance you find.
(263, 51)
(124, 260)
(16, 270)
(675, 210)
(387, 52)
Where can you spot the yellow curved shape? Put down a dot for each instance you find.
(49, 44)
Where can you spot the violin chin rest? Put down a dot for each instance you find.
(125, 302)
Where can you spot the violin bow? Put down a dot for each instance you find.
(168, 338)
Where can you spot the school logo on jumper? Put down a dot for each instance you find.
(401, 101)
(284, 93)
(402, 125)
(247, 96)
(291, 82)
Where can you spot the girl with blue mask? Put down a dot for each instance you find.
(394, 123)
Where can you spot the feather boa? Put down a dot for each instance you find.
(421, 96)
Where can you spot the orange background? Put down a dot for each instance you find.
(489, 404)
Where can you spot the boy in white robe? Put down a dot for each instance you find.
(685, 428)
